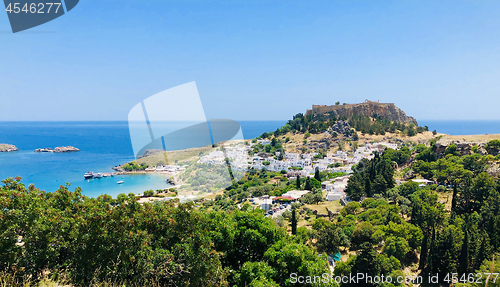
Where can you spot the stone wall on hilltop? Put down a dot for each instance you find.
(368, 108)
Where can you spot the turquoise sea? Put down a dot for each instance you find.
(103, 145)
(107, 144)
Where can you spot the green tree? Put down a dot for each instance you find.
(397, 247)
(452, 149)
(464, 255)
(424, 252)
(149, 193)
(121, 198)
(253, 271)
(316, 174)
(362, 234)
(368, 261)
(308, 184)
(242, 236)
(352, 207)
(493, 147)
(293, 222)
(355, 187)
(295, 258)
(330, 238)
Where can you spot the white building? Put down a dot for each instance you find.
(333, 195)
(422, 182)
(264, 141)
(295, 194)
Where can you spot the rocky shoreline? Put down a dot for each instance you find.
(8, 148)
(60, 149)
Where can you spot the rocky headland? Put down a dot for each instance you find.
(61, 149)
(8, 148)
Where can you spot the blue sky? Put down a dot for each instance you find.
(255, 60)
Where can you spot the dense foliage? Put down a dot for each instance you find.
(166, 242)
(382, 239)
(133, 166)
(378, 126)
(371, 177)
(367, 125)
(444, 228)
(461, 239)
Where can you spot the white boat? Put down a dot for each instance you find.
(120, 182)
(88, 175)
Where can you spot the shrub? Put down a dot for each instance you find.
(493, 147)
(149, 193)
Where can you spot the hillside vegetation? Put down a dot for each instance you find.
(390, 225)
(325, 127)
(66, 235)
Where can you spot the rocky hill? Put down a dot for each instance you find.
(368, 108)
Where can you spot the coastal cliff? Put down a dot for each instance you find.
(58, 149)
(368, 108)
(8, 148)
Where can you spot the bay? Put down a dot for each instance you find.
(103, 145)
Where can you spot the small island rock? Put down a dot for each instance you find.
(8, 148)
(66, 149)
(58, 149)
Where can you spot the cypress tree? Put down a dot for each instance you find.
(463, 260)
(423, 251)
(454, 199)
(432, 251)
(484, 251)
(308, 184)
(294, 222)
(316, 174)
(368, 187)
(298, 181)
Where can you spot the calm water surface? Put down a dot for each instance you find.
(103, 145)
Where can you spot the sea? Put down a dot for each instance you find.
(104, 145)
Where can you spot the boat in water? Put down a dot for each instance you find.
(88, 175)
(120, 182)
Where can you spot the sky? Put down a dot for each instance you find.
(255, 59)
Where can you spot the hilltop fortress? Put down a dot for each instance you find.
(368, 108)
